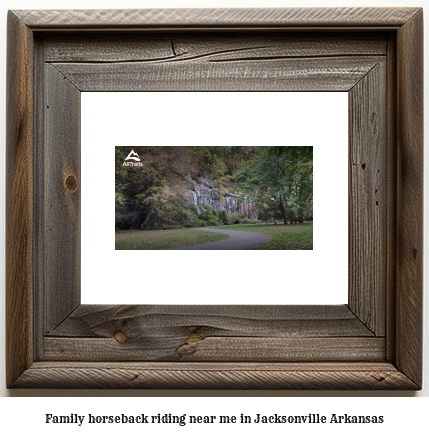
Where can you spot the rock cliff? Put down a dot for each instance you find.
(203, 192)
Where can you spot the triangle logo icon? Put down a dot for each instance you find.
(133, 155)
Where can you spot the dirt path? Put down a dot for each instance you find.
(238, 240)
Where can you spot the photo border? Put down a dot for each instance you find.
(48, 342)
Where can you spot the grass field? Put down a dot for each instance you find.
(290, 237)
(163, 239)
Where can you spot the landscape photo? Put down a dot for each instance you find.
(213, 198)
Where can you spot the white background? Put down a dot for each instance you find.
(18, 414)
(215, 277)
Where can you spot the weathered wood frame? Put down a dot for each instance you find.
(375, 342)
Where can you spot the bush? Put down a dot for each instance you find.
(250, 221)
(235, 218)
(212, 222)
(210, 217)
(223, 217)
(195, 223)
(208, 212)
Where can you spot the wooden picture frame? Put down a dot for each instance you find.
(373, 342)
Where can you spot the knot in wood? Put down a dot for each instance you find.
(193, 338)
(120, 337)
(71, 183)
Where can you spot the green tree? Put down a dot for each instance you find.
(157, 187)
(304, 153)
(279, 183)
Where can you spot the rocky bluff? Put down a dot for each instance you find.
(203, 192)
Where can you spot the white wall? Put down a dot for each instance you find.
(85, 4)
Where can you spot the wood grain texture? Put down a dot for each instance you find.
(224, 321)
(368, 202)
(94, 347)
(331, 74)
(391, 192)
(179, 348)
(213, 333)
(215, 63)
(319, 376)
(40, 264)
(409, 281)
(167, 47)
(206, 18)
(61, 187)
(19, 200)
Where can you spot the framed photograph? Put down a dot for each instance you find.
(236, 328)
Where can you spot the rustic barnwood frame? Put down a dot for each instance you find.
(374, 342)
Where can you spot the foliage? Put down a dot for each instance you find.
(278, 180)
(304, 153)
(208, 212)
(250, 221)
(218, 161)
(235, 218)
(157, 187)
(195, 223)
(223, 217)
(280, 185)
